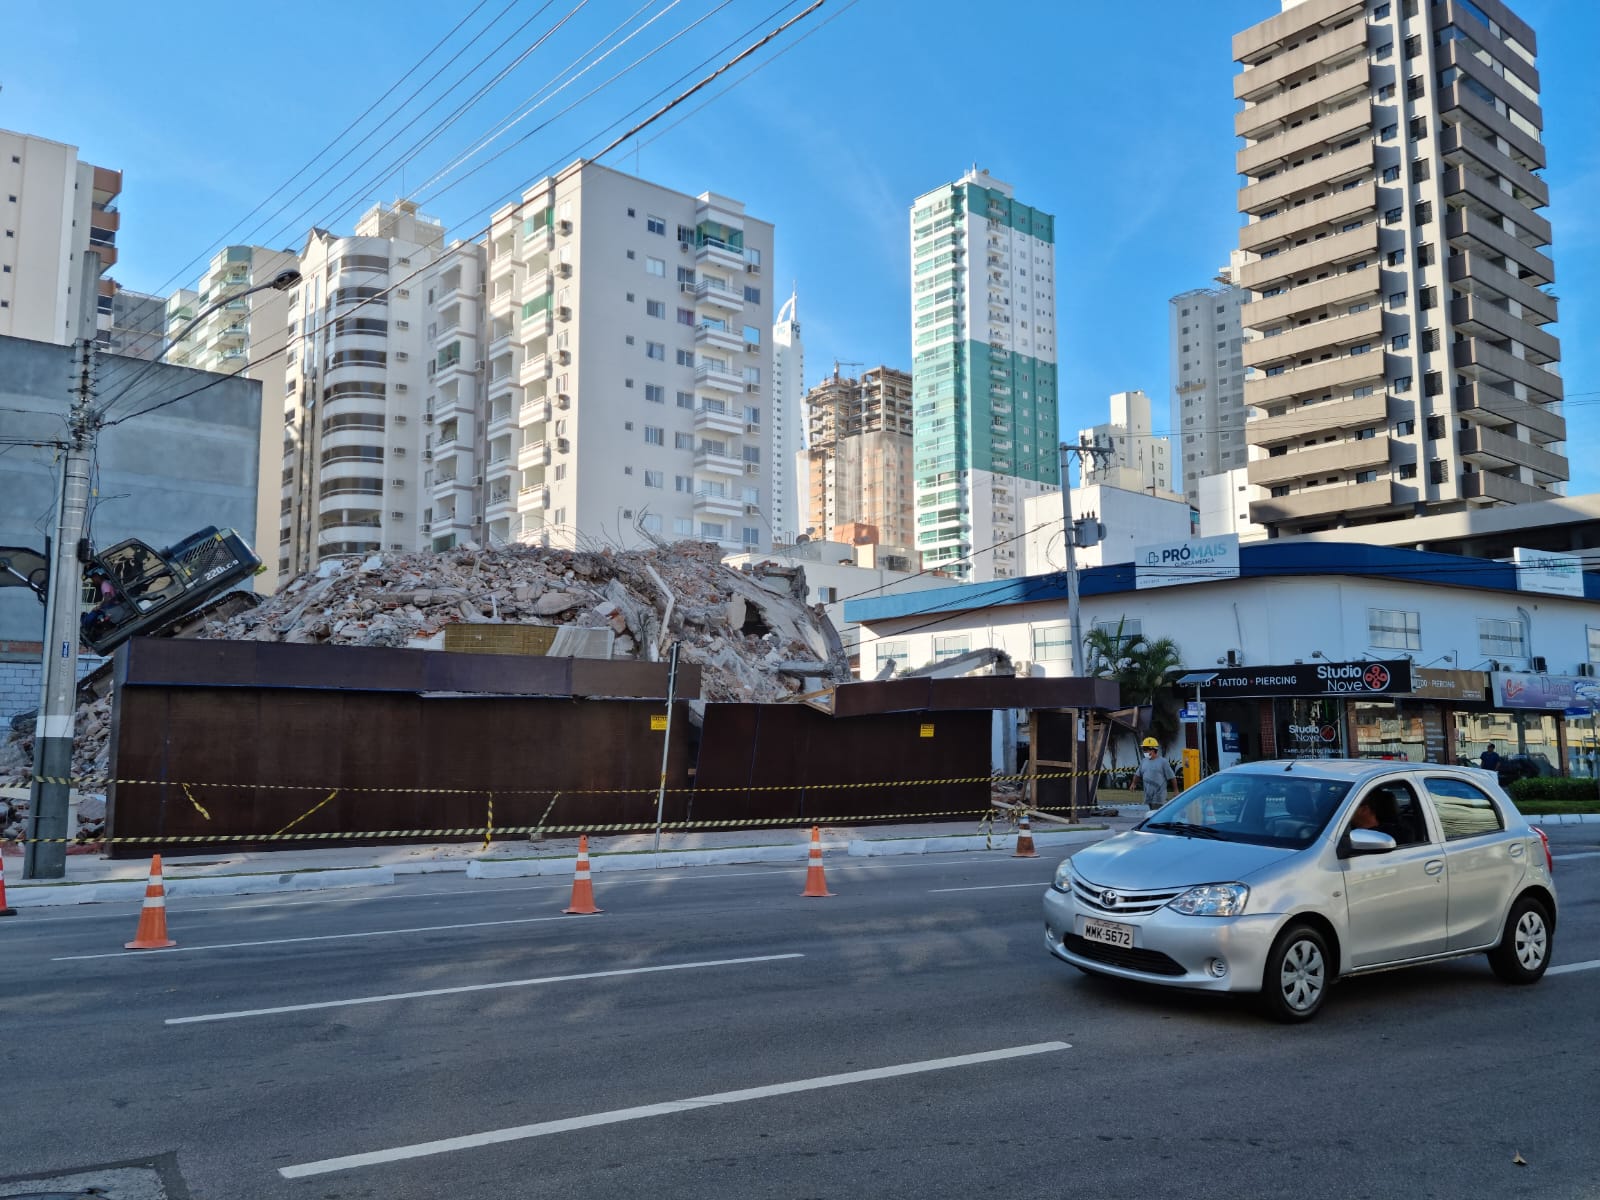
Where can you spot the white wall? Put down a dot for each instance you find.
(1225, 505)
(1131, 520)
(1276, 620)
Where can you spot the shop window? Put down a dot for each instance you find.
(1463, 810)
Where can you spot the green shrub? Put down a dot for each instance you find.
(1526, 791)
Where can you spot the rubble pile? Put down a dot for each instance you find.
(752, 635)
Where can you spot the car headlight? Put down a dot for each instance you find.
(1063, 880)
(1212, 900)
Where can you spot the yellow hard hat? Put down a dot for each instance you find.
(1150, 744)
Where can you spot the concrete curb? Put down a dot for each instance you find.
(52, 895)
(1563, 819)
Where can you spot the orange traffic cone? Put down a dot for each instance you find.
(582, 890)
(1025, 839)
(152, 932)
(816, 882)
(5, 911)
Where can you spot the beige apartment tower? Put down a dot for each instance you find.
(860, 457)
(1397, 263)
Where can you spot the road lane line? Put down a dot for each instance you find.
(991, 887)
(517, 1133)
(473, 987)
(321, 937)
(1565, 968)
(1580, 854)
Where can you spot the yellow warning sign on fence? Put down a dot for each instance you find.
(658, 722)
(927, 729)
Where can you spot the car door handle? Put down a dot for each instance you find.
(1433, 866)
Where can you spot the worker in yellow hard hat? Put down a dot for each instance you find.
(1155, 773)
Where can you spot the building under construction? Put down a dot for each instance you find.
(860, 457)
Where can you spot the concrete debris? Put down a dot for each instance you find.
(754, 639)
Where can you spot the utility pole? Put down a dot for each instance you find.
(1070, 536)
(45, 856)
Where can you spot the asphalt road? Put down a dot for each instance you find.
(908, 1036)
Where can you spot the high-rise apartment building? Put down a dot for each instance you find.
(138, 326)
(244, 336)
(351, 446)
(1140, 459)
(630, 341)
(860, 457)
(53, 209)
(788, 396)
(983, 337)
(1396, 261)
(1207, 370)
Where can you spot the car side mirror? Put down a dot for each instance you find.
(1365, 841)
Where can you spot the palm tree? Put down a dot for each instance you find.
(1140, 666)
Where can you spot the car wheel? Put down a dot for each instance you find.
(1524, 949)
(1297, 975)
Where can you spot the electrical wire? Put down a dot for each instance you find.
(516, 208)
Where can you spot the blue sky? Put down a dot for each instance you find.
(1116, 117)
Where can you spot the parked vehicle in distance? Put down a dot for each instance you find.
(1532, 765)
(1279, 878)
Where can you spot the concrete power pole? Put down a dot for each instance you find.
(1070, 536)
(45, 856)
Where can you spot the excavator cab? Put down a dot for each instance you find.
(132, 589)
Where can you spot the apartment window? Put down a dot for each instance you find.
(656, 350)
(683, 441)
(655, 479)
(1408, 470)
(1418, 128)
(1430, 340)
(1425, 254)
(1390, 174)
(650, 522)
(1432, 383)
(655, 393)
(1413, 45)
(654, 435)
(1392, 216)
(752, 537)
(1419, 170)
(654, 224)
(951, 646)
(685, 274)
(1400, 341)
(1386, 92)
(632, 254)
(1397, 258)
(1366, 477)
(713, 531)
(685, 399)
(1361, 348)
(1381, 13)
(1387, 134)
(1394, 629)
(682, 483)
(1281, 490)
(1402, 384)
(686, 316)
(1383, 51)
(561, 516)
(1052, 643)
(686, 358)
(656, 267)
(752, 295)
(1405, 428)
(683, 526)
(1501, 639)
(1414, 87)
(1438, 472)
(886, 652)
(1428, 297)
(1435, 427)
(561, 472)
(752, 375)
(752, 454)
(1425, 212)
(656, 309)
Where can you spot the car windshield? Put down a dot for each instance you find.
(1267, 809)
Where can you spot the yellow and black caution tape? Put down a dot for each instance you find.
(511, 830)
(307, 813)
(198, 807)
(488, 824)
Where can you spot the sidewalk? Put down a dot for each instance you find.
(92, 879)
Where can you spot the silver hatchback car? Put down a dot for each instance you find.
(1277, 878)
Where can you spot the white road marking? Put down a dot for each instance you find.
(473, 987)
(1581, 854)
(321, 937)
(1565, 968)
(517, 1133)
(991, 887)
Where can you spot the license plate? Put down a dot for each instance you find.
(1108, 932)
